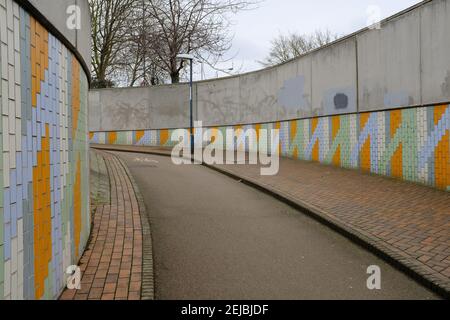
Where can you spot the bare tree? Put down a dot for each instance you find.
(197, 27)
(285, 48)
(135, 69)
(110, 21)
(136, 42)
(136, 65)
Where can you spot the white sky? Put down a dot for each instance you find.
(255, 29)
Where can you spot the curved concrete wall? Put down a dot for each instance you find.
(403, 64)
(376, 100)
(44, 187)
(56, 14)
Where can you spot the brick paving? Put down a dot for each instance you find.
(410, 223)
(112, 263)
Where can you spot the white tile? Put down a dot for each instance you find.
(9, 14)
(16, 9)
(11, 85)
(18, 135)
(12, 150)
(6, 169)
(5, 133)
(14, 281)
(20, 235)
(18, 102)
(7, 280)
(12, 116)
(10, 44)
(4, 97)
(17, 70)
(16, 23)
(3, 26)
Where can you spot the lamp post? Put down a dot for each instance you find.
(190, 58)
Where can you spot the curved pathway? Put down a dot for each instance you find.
(112, 265)
(215, 238)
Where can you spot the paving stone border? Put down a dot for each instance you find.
(148, 281)
(118, 261)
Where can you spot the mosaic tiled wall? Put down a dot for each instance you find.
(44, 197)
(412, 144)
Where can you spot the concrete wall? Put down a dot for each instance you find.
(154, 107)
(435, 47)
(389, 64)
(403, 64)
(375, 101)
(44, 187)
(56, 13)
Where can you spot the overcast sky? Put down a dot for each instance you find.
(255, 29)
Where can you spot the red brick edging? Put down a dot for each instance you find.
(112, 265)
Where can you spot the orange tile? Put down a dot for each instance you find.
(337, 157)
(42, 215)
(112, 137)
(163, 137)
(39, 58)
(139, 135)
(365, 150)
(315, 150)
(442, 153)
(397, 163)
(293, 131)
(397, 158)
(336, 126)
(258, 129)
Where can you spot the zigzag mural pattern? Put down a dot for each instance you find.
(411, 144)
(44, 211)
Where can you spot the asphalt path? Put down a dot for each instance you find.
(216, 238)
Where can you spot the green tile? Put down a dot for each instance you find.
(1, 229)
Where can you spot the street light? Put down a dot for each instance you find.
(191, 61)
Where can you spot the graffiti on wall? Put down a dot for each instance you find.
(411, 144)
(44, 206)
(292, 95)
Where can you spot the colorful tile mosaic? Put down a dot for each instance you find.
(411, 144)
(44, 192)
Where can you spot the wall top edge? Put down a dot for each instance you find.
(39, 16)
(339, 41)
